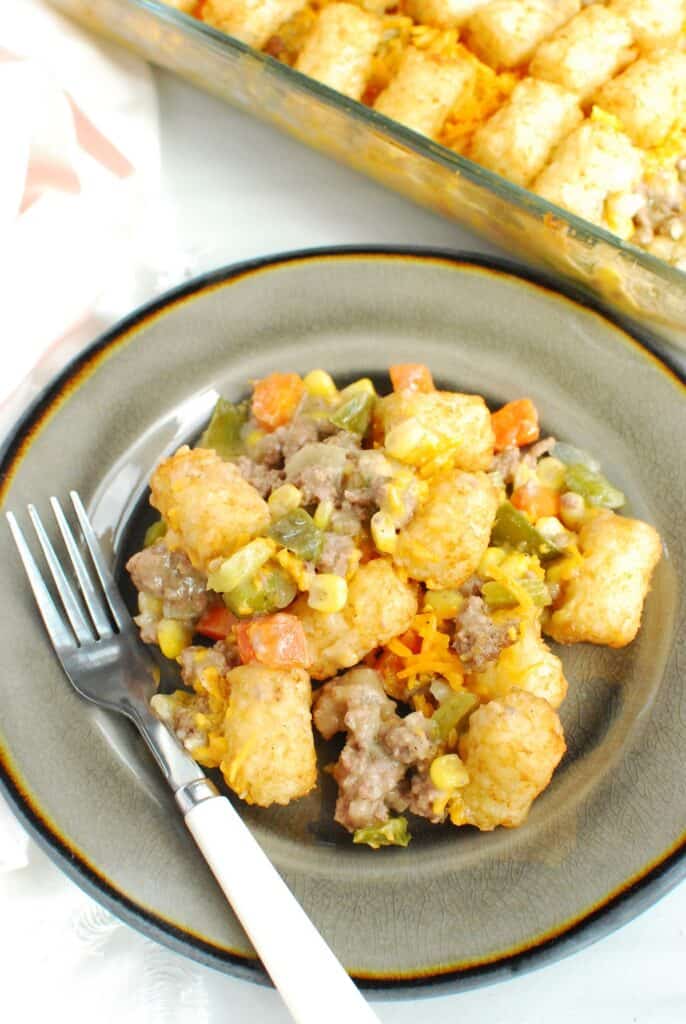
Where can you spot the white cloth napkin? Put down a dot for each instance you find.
(79, 178)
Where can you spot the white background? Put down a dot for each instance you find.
(233, 189)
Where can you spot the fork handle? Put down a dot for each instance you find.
(312, 982)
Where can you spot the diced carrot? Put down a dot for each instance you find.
(216, 622)
(537, 501)
(275, 399)
(275, 640)
(245, 649)
(411, 377)
(515, 424)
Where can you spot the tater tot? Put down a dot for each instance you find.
(210, 510)
(380, 606)
(604, 603)
(420, 428)
(505, 33)
(443, 543)
(517, 141)
(443, 13)
(585, 52)
(590, 165)
(187, 6)
(648, 97)
(527, 665)
(251, 21)
(654, 23)
(270, 756)
(510, 751)
(340, 48)
(424, 90)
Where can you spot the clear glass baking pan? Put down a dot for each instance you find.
(603, 267)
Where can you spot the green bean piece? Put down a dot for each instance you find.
(355, 413)
(499, 595)
(269, 590)
(593, 487)
(223, 432)
(453, 712)
(512, 529)
(570, 455)
(297, 532)
(154, 532)
(392, 833)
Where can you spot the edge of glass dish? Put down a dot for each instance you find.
(419, 144)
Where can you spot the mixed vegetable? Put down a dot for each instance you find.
(408, 552)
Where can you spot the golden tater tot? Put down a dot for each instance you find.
(648, 97)
(443, 13)
(527, 665)
(380, 606)
(590, 165)
(443, 543)
(517, 141)
(510, 751)
(604, 603)
(585, 52)
(505, 33)
(340, 48)
(424, 89)
(251, 21)
(420, 428)
(270, 756)
(209, 508)
(654, 23)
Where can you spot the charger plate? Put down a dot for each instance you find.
(457, 908)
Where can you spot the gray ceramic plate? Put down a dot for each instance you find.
(607, 837)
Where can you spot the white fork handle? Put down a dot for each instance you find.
(312, 982)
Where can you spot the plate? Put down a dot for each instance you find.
(457, 907)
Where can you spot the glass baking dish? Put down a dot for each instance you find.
(622, 276)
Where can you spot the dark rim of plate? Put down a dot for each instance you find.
(620, 907)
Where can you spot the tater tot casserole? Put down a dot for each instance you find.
(384, 568)
(582, 103)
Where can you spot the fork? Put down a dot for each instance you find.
(98, 647)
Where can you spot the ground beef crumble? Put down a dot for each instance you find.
(169, 576)
(374, 770)
(478, 639)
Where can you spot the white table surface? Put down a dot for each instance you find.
(233, 189)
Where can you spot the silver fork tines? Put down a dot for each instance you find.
(93, 634)
(87, 628)
(60, 634)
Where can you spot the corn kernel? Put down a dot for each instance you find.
(328, 592)
(572, 510)
(447, 772)
(319, 384)
(524, 474)
(551, 472)
(150, 605)
(491, 559)
(363, 384)
(383, 532)
(283, 500)
(173, 637)
(242, 564)
(516, 565)
(323, 513)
